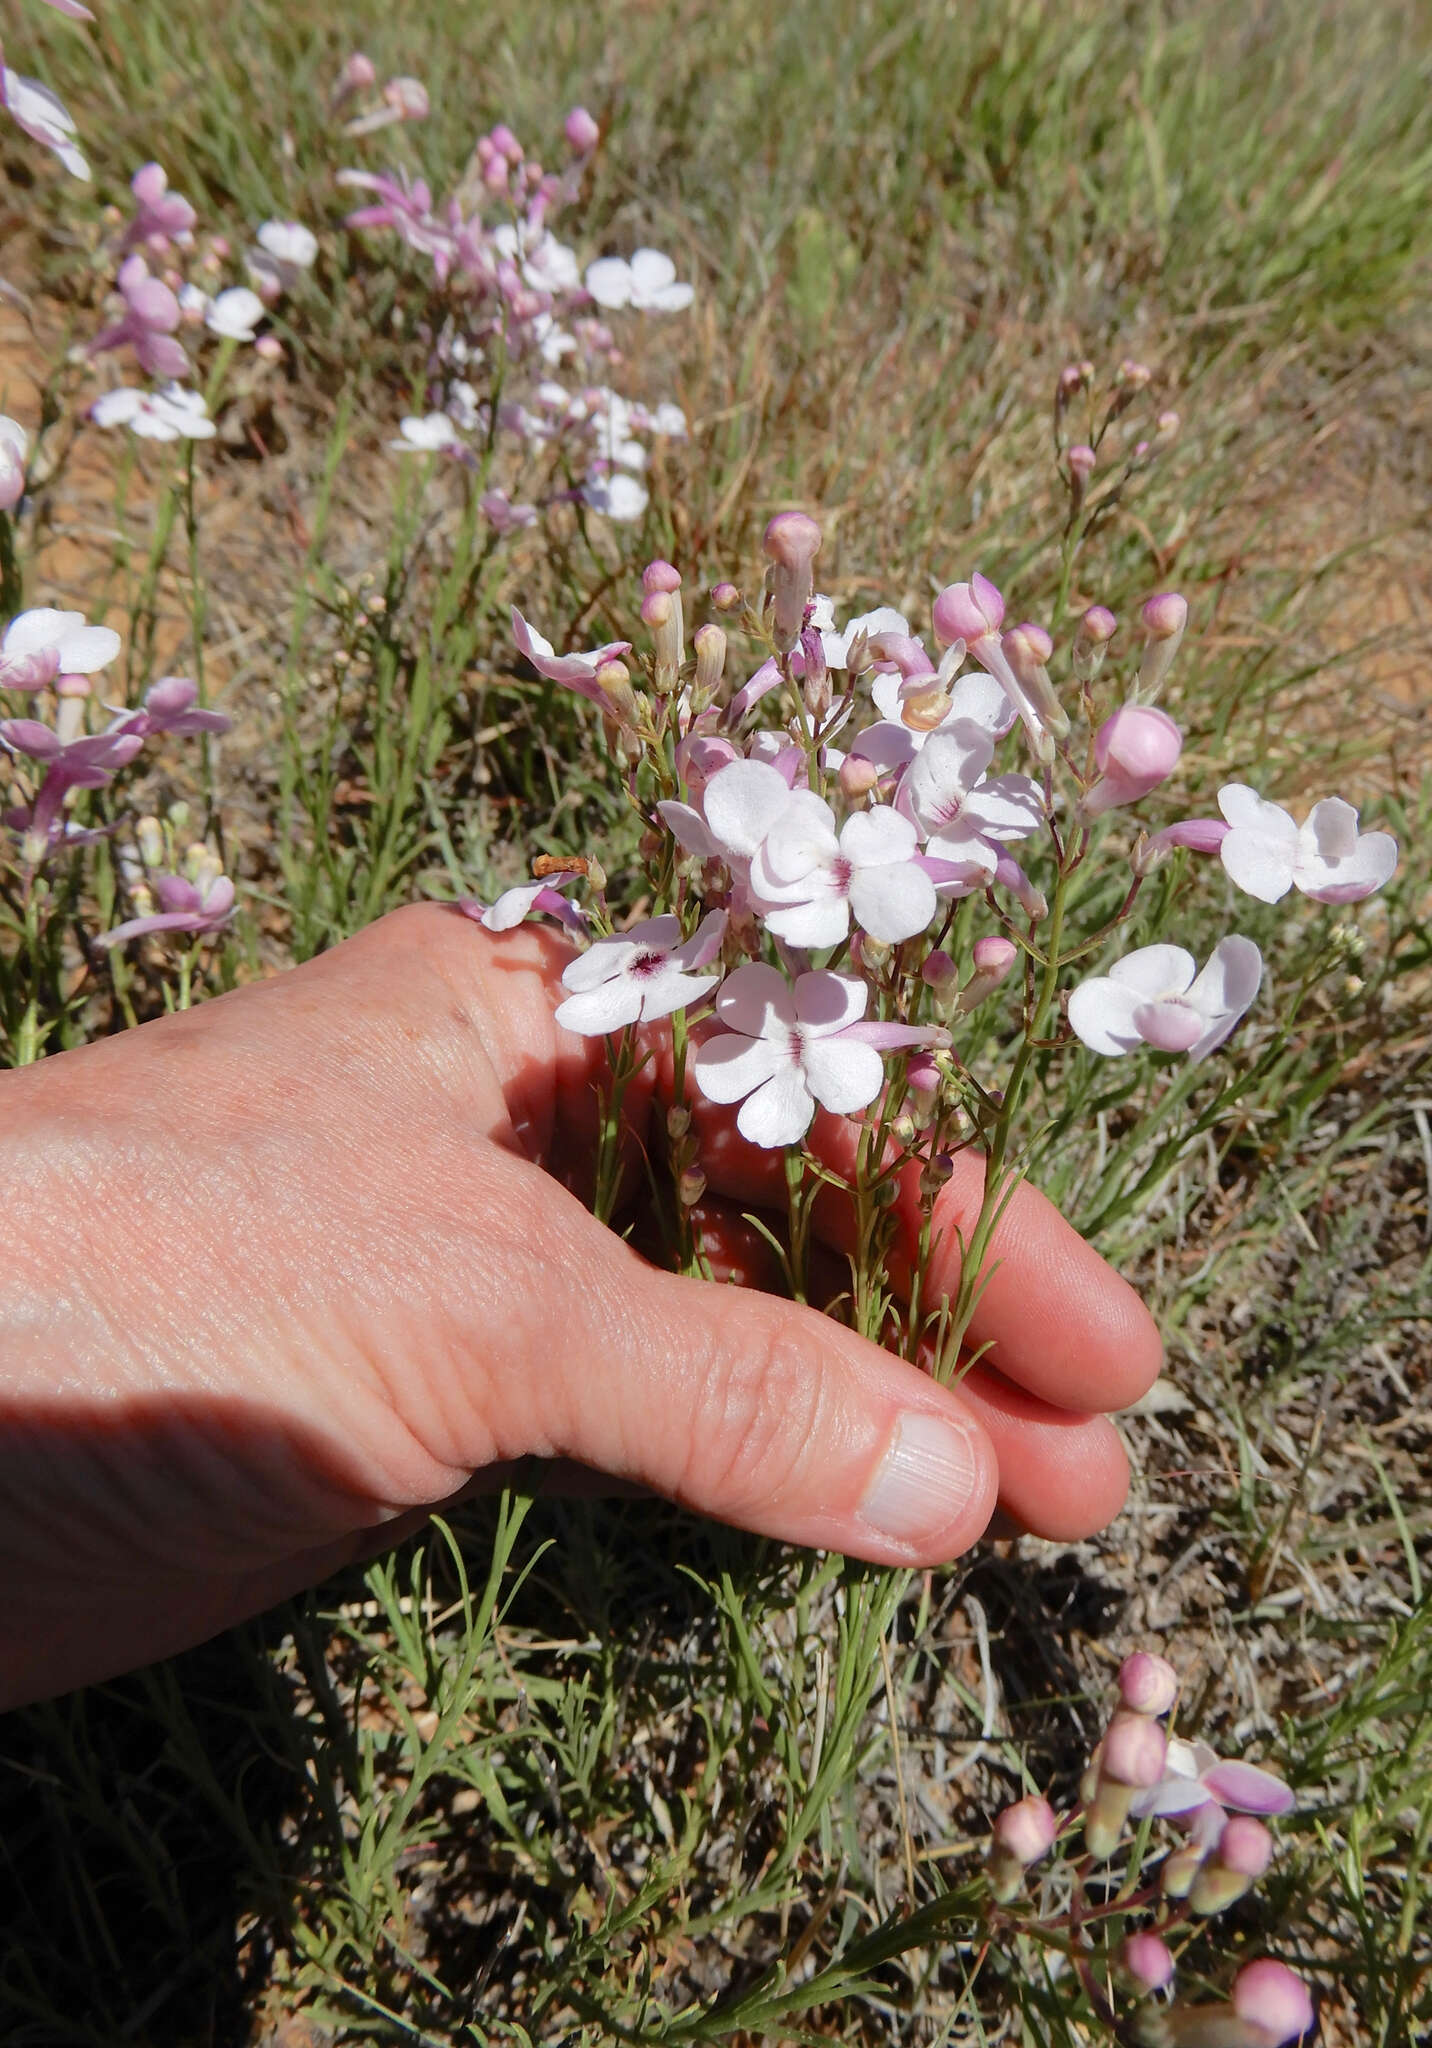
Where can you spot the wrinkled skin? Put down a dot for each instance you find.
(285, 1272)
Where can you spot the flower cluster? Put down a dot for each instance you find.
(1125, 1941)
(52, 654)
(810, 870)
(520, 354)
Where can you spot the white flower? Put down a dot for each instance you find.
(169, 414)
(619, 496)
(290, 243)
(1196, 1780)
(670, 420)
(431, 433)
(639, 975)
(975, 699)
(42, 644)
(1151, 997)
(964, 815)
(884, 619)
(1326, 857)
(553, 342)
(807, 881)
(234, 314)
(647, 284)
(14, 447)
(43, 117)
(546, 264)
(785, 1049)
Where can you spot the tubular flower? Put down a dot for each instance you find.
(1154, 996)
(640, 975)
(1265, 852)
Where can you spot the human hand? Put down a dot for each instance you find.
(287, 1270)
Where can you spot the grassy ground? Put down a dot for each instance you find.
(558, 1777)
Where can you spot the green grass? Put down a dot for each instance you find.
(595, 1771)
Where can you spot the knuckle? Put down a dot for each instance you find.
(761, 1413)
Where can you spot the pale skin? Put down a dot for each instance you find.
(287, 1272)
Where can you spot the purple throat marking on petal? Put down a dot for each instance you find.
(646, 964)
(842, 873)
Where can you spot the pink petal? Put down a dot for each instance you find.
(1248, 1789)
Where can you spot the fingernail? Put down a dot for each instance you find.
(926, 1478)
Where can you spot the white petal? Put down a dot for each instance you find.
(1329, 832)
(878, 836)
(729, 1065)
(512, 906)
(597, 1011)
(825, 1001)
(1155, 971)
(779, 1113)
(688, 828)
(822, 920)
(892, 902)
(658, 933)
(978, 700)
(1243, 807)
(1006, 807)
(742, 803)
(843, 1074)
(619, 497)
(756, 1000)
(673, 298)
(651, 271)
(87, 649)
(41, 628)
(609, 281)
(672, 990)
(1225, 989)
(800, 840)
(602, 962)
(117, 408)
(1102, 1014)
(1259, 863)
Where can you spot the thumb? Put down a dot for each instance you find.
(769, 1415)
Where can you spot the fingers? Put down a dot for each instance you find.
(1061, 1475)
(762, 1413)
(1056, 1317)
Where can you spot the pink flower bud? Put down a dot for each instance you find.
(269, 348)
(1244, 1851)
(726, 597)
(408, 97)
(1071, 381)
(994, 954)
(1133, 1751)
(791, 544)
(506, 143)
(969, 611)
(581, 131)
(1010, 875)
(1026, 650)
(1022, 1833)
(1082, 460)
(1135, 375)
(660, 575)
(1164, 619)
(1269, 1995)
(358, 74)
(710, 644)
(940, 972)
(1027, 1829)
(922, 1087)
(1147, 1684)
(857, 777)
(656, 610)
(1098, 625)
(1136, 749)
(1148, 1961)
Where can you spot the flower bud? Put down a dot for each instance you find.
(1244, 1851)
(581, 131)
(690, 1186)
(1269, 1995)
(1148, 1961)
(678, 1120)
(899, 651)
(1082, 463)
(661, 615)
(1134, 376)
(791, 544)
(1096, 630)
(659, 575)
(857, 777)
(1164, 619)
(726, 597)
(923, 1082)
(1131, 1759)
(993, 957)
(1179, 1869)
(940, 972)
(149, 837)
(1199, 835)
(1136, 749)
(816, 682)
(614, 680)
(710, 645)
(971, 612)
(1166, 428)
(1147, 1684)
(358, 74)
(1026, 650)
(1022, 1833)
(408, 97)
(1010, 875)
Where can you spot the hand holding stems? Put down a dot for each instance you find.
(290, 1270)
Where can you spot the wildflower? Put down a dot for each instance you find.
(166, 415)
(1129, 1760)
(1096, 629)
(43, 117)
(783, 1049)
(286, 250)
(1269, 1996)
(1147, 1684)
(14, 448)
(1327, 858)
(198, 906)
(408, 98)
(1195, 1780)
(86, 762)
(1135, 749)
(1164, 619)
(163, 216)
(1243, 1852)
(500, 512)
(640, 975)
(576, 671)
(1155, 996)
(1021, 1834)
(1148, 1961)
(962, 814)
(617, 495)
(991, 957)
(42, 644)
(431, 433)
(151, 314)
(234, 314)
(791, 543)
(807, 881)
(581, 131)
(647, 283)
(172, 705)
(513, 905)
